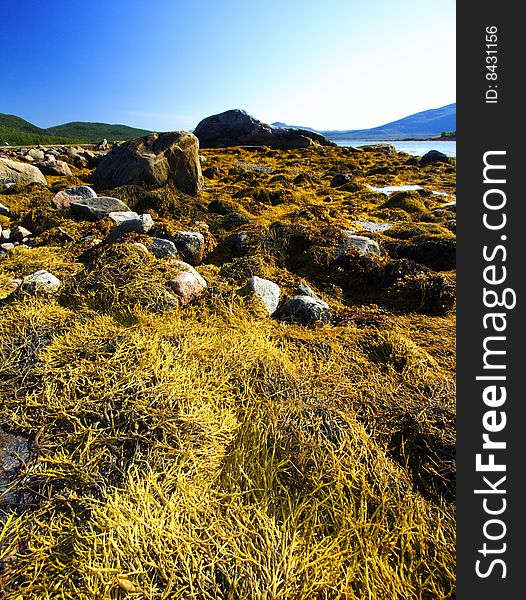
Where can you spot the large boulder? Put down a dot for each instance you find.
(13, 172)
(153, 161)
(238, 128)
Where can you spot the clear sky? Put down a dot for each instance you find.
(167, 64)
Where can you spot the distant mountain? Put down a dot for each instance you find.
(285, 126)
(95, 132)
(425, 124)
(17, 131)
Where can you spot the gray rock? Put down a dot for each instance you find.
(6, 246)
(5, 235)
(153, 161)
(120, 217)
(363, 244)
(63, 199)
(41, 281)
(304, 290)
(36, 154)
(97, 208)
(238, 128)
(162, 248)
(5, 211)
(266, 291)
(55, 168)
(12, 171)
(135, 223)
(191, 245)
(303, 309)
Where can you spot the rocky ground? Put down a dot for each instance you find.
(240, 390)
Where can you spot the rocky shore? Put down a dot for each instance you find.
(227, 342)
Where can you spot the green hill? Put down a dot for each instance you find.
(95, 132)
(16, 131)
(18, 124)
(17, 137)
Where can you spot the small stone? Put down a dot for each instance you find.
(120, 217)
(265, 290)
(161, 248)
(303, 309)
(13, 284)
(4, 211)
(363, 244)
(64, 235)
(6, 246)
(63, 199)
(191, 245)
(136, 223)
(20, 233)
(141, 246)
(188, 285)
(5, 234)
(36, 154)
(41, 281)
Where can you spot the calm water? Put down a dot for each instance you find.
(414, 148)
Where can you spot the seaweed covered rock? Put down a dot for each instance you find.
(238, 128)
(410, 202)
(13, 172)
(433, 156)
(153, 161)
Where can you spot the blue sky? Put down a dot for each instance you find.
(166, 64)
